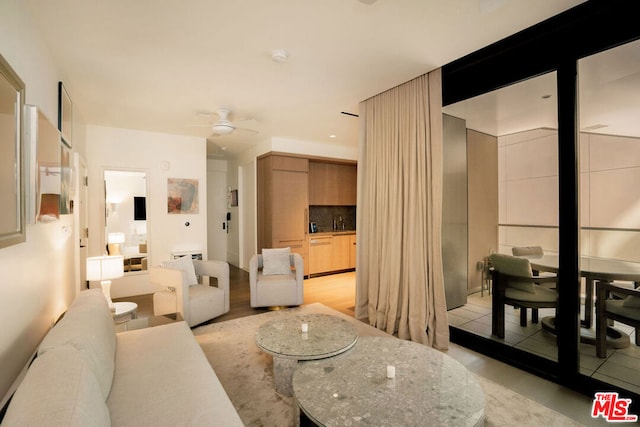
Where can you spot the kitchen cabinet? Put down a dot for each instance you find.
(332, 184)
(283, 203)
(331, 252)
(340, 253)
(352, 251)
(320, 254)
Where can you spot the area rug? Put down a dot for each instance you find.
(246, 375)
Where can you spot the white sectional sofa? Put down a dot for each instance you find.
(87, 375)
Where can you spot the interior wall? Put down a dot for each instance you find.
(37, 277)
(218, 239)
(248, 211)
(482, 174)
(162, 156)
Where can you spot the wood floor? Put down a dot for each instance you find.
(336, 291)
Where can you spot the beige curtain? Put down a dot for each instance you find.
(399, 286)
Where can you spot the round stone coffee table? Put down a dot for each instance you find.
(429, 387)
(284, 339)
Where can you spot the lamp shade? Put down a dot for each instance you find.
(115, 238)
(105, 267)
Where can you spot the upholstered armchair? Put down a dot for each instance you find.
(276, 283)
(514, 284)
(183, 287)
(625, 310)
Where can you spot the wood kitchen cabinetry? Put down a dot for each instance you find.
(332, 184)
(340, 255)
(283, 204)
(320, 254)
(352, 251)
(331, 252)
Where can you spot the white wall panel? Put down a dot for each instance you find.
(533, 158)
(615, 198)
(532, 201)
(613, 152)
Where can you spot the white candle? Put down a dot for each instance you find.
(305, 327)
(391, 371)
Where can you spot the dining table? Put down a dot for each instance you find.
(592, 269)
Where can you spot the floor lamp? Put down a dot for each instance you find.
(105, 268)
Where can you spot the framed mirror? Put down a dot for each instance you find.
(12, 216)
(125, 230)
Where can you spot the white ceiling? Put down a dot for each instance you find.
(155, 64)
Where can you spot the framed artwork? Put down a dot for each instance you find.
(182, 196)
(65, 114)
(12, 214)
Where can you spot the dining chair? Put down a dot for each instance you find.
(532, 252)
(625, 310)
(515, 284)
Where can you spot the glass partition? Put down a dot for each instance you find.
(512, 176)
(609, 83)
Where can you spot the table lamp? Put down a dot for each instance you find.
(105, 268)
(114, 241)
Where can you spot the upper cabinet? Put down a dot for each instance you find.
(332, 184)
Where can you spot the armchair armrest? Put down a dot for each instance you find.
(298, 264)
(175, 280)
(217, 269)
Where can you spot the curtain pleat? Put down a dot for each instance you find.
(399, 287)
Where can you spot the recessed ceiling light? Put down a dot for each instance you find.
(332, 136)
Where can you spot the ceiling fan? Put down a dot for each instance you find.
(224, 126)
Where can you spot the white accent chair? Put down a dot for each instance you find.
(196, 302)
(514, 284)
(275, 290)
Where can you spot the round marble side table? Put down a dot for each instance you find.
(428, 388)
(124, 311)
(284, 339)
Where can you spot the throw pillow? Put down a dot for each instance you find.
(276, 261)
(185, 264)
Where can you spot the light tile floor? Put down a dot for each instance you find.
(621, 367)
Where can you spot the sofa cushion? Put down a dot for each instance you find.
(184, 263)
(162, 377)
(88, 327)
(59, 389)
(276, 261)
